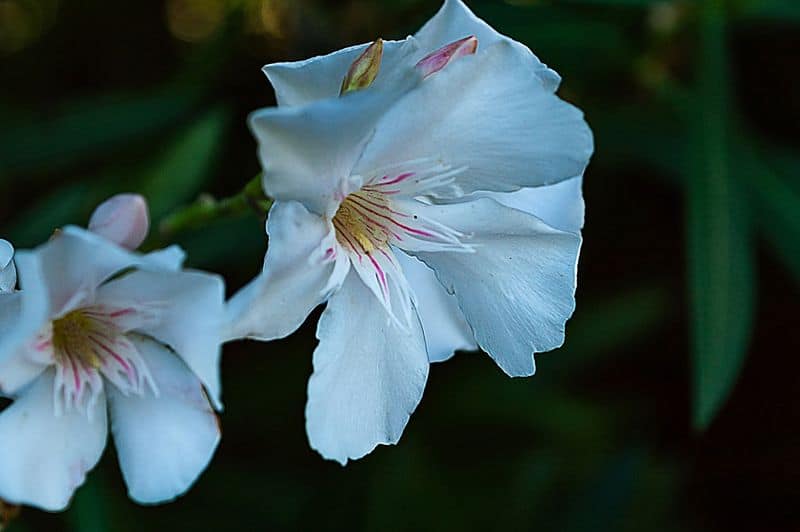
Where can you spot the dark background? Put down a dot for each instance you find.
(691, 263)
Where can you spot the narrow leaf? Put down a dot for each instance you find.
(182, 169)
(88, 129)
(720, 249)
(778, 203)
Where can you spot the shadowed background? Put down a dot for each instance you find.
(673, 404)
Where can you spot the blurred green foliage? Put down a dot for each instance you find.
(695, 107)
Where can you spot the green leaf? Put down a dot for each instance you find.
(173, 177)
(179, 173)
(92, 128)
(89, 511)
(778, 202)
(68, 204)
(778, 10)
(603, 326)
(582, 45)
(720, 249)
(614, 3)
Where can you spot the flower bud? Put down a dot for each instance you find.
(364, 69)
(122, 219)
(433, 63)
(8, 272)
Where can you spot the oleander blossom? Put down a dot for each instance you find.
(436, 206)
(8, 272)
(99, 333)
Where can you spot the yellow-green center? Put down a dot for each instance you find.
(72, 338)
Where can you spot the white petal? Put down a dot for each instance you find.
(8, 273)
(446, 329)
(20, 365)
(44, 458)
(303, 266)
(560, 206)
(369, 375)
(308, 152)
(486, 114)
(455, 21)
(382, 275)
(518, 289)
(169, 258)
(319, 78)
(22, 316)
(189, 307)
(74, 263)
(163, 442)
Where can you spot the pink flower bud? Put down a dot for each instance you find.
(433, 63)
(123, 219)
(364, 69)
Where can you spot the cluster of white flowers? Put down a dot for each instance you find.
(428, 189)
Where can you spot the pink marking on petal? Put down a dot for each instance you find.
(382, 276)
(76, 377)
(380, 206)
(436, 61)
(371, 220)
(123, 312)
(398, 179)
(113, 354)
(43, 345)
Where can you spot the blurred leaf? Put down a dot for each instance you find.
(779, 10)
(89, 511)
(185, 166)
(658, 142)
(227, 243)
(172, 178)
(67, 204)
(406, 478)
(532, 483)
(624, 3)
(778, 202)
(604, 501)
(720, 249)
(601, 327)
(578, 43)
(18, 525)
(90, 128)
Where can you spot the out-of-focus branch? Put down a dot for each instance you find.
(207, 209)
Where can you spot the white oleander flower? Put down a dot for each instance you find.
(8, 272)
(98, 332)
(435, 204)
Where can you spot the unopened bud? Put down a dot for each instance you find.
(433, 63)
(364, 69)
(8, 272)
(123, 219)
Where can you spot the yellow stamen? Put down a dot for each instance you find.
(356, 225)
(71, 338)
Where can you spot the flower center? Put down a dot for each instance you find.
(388, 214)
(72, 338)
(362, 222)
(90, 345)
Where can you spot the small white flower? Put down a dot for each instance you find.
(8, 272)
(97, 328)
(436, 210)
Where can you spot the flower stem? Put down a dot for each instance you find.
(207, 209)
